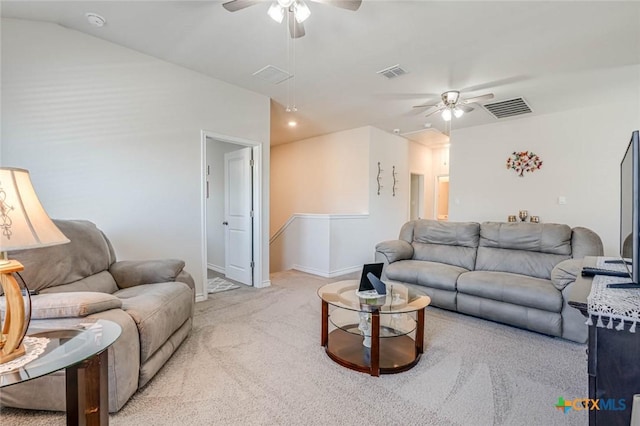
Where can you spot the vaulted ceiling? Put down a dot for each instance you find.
(555, 55)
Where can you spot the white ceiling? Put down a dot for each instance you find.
(556, 55)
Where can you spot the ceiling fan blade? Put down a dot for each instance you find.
(485, 97)
(296, 29)
(342, 4)
(235, 5)
(466, 108)
(425, 105)
(433, 111)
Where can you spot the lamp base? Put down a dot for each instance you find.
(16, 353)
(16, 317)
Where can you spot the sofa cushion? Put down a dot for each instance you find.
(538, 237)
(72, 304)
(511, 288)
(453, 243)
(102, 282)
(430, 274)
(87, 253)
(158, 310)
(523, 248)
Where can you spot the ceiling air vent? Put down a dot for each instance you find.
(509, 108)
(392, 72)
(272, 74)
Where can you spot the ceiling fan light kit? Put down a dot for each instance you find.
(276, 12)
(454, 106)
(450, 97)
(301, 11)
(297, 10)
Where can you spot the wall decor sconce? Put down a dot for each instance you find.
(395, 180)
(379, 178)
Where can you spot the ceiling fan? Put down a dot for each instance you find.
(452, 105)
(297, 10)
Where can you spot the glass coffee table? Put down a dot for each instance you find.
(81, 350)
(373, 335)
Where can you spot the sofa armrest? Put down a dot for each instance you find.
(128, 273)
(566, 272)
(394, 250)
(585, 242)
(72, 304)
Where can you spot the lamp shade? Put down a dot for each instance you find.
(23, 221)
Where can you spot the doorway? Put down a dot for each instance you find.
(231, 222)
(416, 207)
(441, 193)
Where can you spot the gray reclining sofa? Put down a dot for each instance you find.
(514, 273)
(152, 301)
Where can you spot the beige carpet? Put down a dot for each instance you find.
(254, 358)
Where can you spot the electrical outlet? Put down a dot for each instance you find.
(562, 200)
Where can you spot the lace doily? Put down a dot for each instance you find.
(33, 346)
(608, 304)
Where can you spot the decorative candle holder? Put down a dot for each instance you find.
(512, 218)
(523, 214)
(535, 219)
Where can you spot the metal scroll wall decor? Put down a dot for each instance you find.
(394, 175)
(395, 180)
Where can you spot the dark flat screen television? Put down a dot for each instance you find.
(630, 212)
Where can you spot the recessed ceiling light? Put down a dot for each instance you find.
(292, 123)
(95, 19)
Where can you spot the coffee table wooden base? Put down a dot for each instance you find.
(396, 355)
(386, 356)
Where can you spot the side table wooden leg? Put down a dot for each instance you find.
(375, 343)
(324, 336)
(420, 333)
(87, 392)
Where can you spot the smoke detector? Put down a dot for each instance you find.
(95, 19)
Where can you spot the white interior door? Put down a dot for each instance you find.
(238, 216)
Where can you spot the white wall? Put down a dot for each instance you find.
(388, 212)
(215, 202)
(321, 175)
(581, 151)
(340, 241)
(114, 136)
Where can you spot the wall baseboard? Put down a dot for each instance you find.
(216, 268)
(327, 274)
(263, 284)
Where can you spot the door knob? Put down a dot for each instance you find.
(225, 223)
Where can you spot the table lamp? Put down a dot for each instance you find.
(24, 224)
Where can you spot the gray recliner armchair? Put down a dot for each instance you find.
(152, 301)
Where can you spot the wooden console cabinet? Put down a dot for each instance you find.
(613, 364)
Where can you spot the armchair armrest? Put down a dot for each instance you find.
(394, 250)
(130, 273)
(72, 304)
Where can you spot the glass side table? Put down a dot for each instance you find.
(81, 349)
(373, 336)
